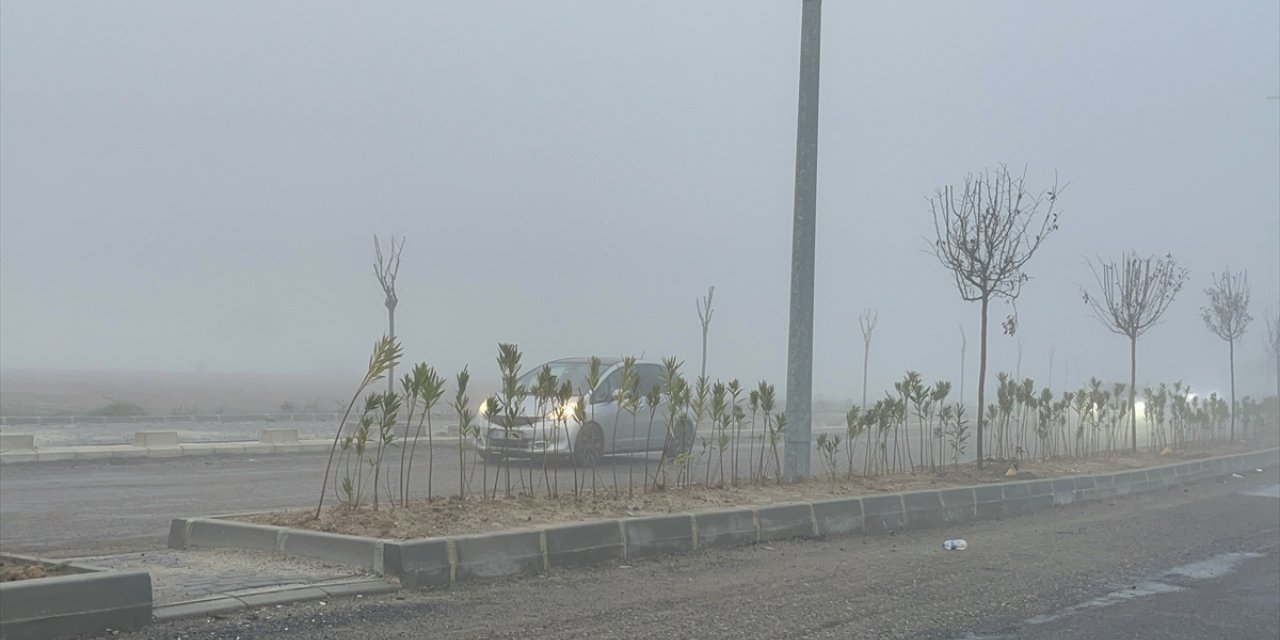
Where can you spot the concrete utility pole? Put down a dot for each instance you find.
(800, 339)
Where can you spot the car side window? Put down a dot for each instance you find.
(604, 393)
(650, 377)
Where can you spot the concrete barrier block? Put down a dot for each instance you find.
(1064, 491)
(883, 513)
(279, 435)
(178, 528)
(498, 555)
(924, 508)
(838, 517)
(779, 522)
(1165, 476)
(153, 439)
(989, 501)
(18, 456)
(17, 442)
(1084, 482)
(1134, 480)
(727, 528)
(583, 544)
(229, 534)
(418, 563)
(198, 449)
(958, 505)
(659, 535)
(351, 551)
(222, 448)
(73, 605)
(1041, 495)
(1017, 498)
(259, 449)
(55, 456)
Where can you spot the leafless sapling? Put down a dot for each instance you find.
(1227, 316)
(385, 268)
(986, 233)
(704, 318)
(867, 322)
(1132, 294)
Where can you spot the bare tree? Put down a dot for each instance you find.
(704, 317)
(1133, 293)
(964, 345)
(386, 268)
(985, 235)
(867, 321)
(1227, 316)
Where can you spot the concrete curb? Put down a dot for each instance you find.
(436, 562)
(88, 602)
(223, 604)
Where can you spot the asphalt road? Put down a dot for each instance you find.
(1188, 562)
(63, 509)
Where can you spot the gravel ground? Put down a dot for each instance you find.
(900, 586)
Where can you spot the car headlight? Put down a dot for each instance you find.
(563, 411)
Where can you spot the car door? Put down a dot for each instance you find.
(604, 411)
(649, 437)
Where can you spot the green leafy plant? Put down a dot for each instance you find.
(512, 398)
(957, 430)
(854, 427)
(467, 429)
(386, 354)
(829, 451)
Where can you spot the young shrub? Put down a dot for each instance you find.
(386, 354)
(854, 427)
(829, 451)
(466, 427)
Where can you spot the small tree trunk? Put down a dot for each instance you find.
(1133, 390)
(391, 333)
(866, 356)
(1231, 346)
(982, 375)
(703, 370)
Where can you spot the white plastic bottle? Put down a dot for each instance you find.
(957, 544)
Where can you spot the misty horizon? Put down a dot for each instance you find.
(183, 189)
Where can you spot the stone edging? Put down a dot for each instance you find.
(443, 561)
(91, 601)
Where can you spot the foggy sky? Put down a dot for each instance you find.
(196, 185)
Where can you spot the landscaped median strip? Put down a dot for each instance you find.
(442, 561)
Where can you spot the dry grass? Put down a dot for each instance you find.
(452, 516)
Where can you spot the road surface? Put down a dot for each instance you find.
(63, 509)
(1201, 561)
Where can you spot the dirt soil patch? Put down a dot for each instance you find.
(14, 570)
(451, 516)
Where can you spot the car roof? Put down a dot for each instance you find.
(604, 362)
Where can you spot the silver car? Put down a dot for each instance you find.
(553, 431)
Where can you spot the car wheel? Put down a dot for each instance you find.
(489, 456)
(588, 447)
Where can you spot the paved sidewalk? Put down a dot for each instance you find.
(207, 581)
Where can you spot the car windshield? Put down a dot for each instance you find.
(574, 372)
